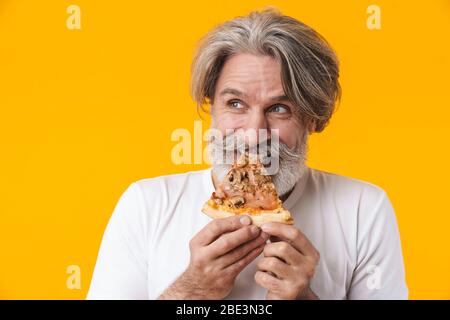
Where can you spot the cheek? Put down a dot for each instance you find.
(290, 135)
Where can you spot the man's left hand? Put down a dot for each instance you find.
(288, 265)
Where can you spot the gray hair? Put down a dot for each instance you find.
(309, 66)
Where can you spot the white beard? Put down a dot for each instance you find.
(292, 166)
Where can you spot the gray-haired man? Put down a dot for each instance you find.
(262, 71)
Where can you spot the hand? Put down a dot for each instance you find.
(219, 252)
(288, 265)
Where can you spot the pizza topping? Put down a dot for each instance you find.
(237, 201)
(245, 185)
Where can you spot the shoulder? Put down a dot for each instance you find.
(162, 192)
(336, 183)
(360, 201)
(145, 200)
(363, 208)
(172, 181)
(361, 195)
(365, 203)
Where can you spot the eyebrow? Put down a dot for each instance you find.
(238, 93)
(231, 91)
(282, 97)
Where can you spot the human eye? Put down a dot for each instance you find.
(235, 104)
(279, 109)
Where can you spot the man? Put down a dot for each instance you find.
(271, 72)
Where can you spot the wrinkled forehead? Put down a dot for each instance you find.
(252, 78)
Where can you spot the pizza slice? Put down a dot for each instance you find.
(246, 190)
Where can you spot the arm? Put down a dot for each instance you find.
(121, 268)
(379, 273)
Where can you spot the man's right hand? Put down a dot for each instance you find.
(219, 252)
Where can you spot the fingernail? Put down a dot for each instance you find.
(254, 229)
(245, 220)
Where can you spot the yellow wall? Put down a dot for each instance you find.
(83, 113)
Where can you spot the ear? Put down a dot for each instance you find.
(311, 125)
(211, 109)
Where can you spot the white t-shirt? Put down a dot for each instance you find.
(351, 223)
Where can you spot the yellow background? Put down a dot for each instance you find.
(83, 113)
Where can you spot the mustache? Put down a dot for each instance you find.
(234, 144)
(287, 165)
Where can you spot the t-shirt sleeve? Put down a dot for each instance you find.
(379, 272)
(121, 268)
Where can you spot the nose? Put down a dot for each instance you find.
(256, 121)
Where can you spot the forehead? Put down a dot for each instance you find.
(255, 76)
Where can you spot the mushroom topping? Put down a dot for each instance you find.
(237, 201)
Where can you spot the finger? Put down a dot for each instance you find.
(232, 240)
(217, 227)
(292, 235)
(275, 266)
(268, 281)
(283, 251)
(239, 265)
(242, 250)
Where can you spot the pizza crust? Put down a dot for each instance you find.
(278, 215)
